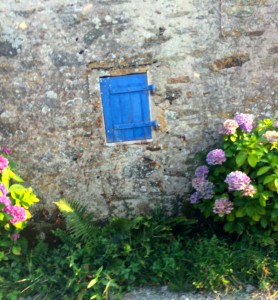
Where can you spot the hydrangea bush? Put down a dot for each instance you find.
(237, 184)
(15, 200)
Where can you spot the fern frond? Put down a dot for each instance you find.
(39, 253)
(64, 206)
(79, 221)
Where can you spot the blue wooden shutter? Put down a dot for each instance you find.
(126, 107)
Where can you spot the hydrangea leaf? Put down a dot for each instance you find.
(241, 158)
(269, 179)
(262, 201)
(15, 177)
(240, 212)
(276, 183)
(5, 178)
(231, 217)
(264, 222)
(263, 170)
(20, 225)
(256, 217)
(253, 160)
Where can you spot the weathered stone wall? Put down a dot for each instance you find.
(208, 58)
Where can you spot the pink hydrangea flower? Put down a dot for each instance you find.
(3, 163)
(249, 191)
(271, 136)
(7, 151)
(276, 124)
(17, 212)
(216, 157)
(6, 201)
(245, 121)
(229, 127)
(198, 182)
(237, 181)
(15, 236)
(3, 190)
(223, 207)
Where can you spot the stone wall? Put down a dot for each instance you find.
(208, 59)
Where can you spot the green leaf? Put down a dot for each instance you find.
(5, 178)
(2, 216)
(5, 243)
(16, 250)
(229, 153)
(253, 160)
(269, 179)
(233, 138)
(241, 158)
(20, 225)
(276, 183)
(264, 222)
(240, 213)
(229, 227)
(250, 211)
(256, 217)
(14, 176)
(262, 201)
(263, 170)
(231, 217)
(274, 214)
(92, 283)
(3, 256)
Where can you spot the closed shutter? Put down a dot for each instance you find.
(126, 107)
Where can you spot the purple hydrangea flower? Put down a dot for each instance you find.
(198, 182)
(18, 213)
(223, 207)
(3, 190)
(237, 181)
(216, 157)
(3, 163)
(245, 121)
(6, 201)
(208, 191)
(203, 187)
(276, 124)
(249, 191)
(229, 127)
(194, 198)
(202, 171)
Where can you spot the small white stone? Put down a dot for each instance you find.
(51, 94)
(45, 110)
(108, 19)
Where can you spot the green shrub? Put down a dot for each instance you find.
(211, 264)
(238, 184)
(15, 200)
(103, 261)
